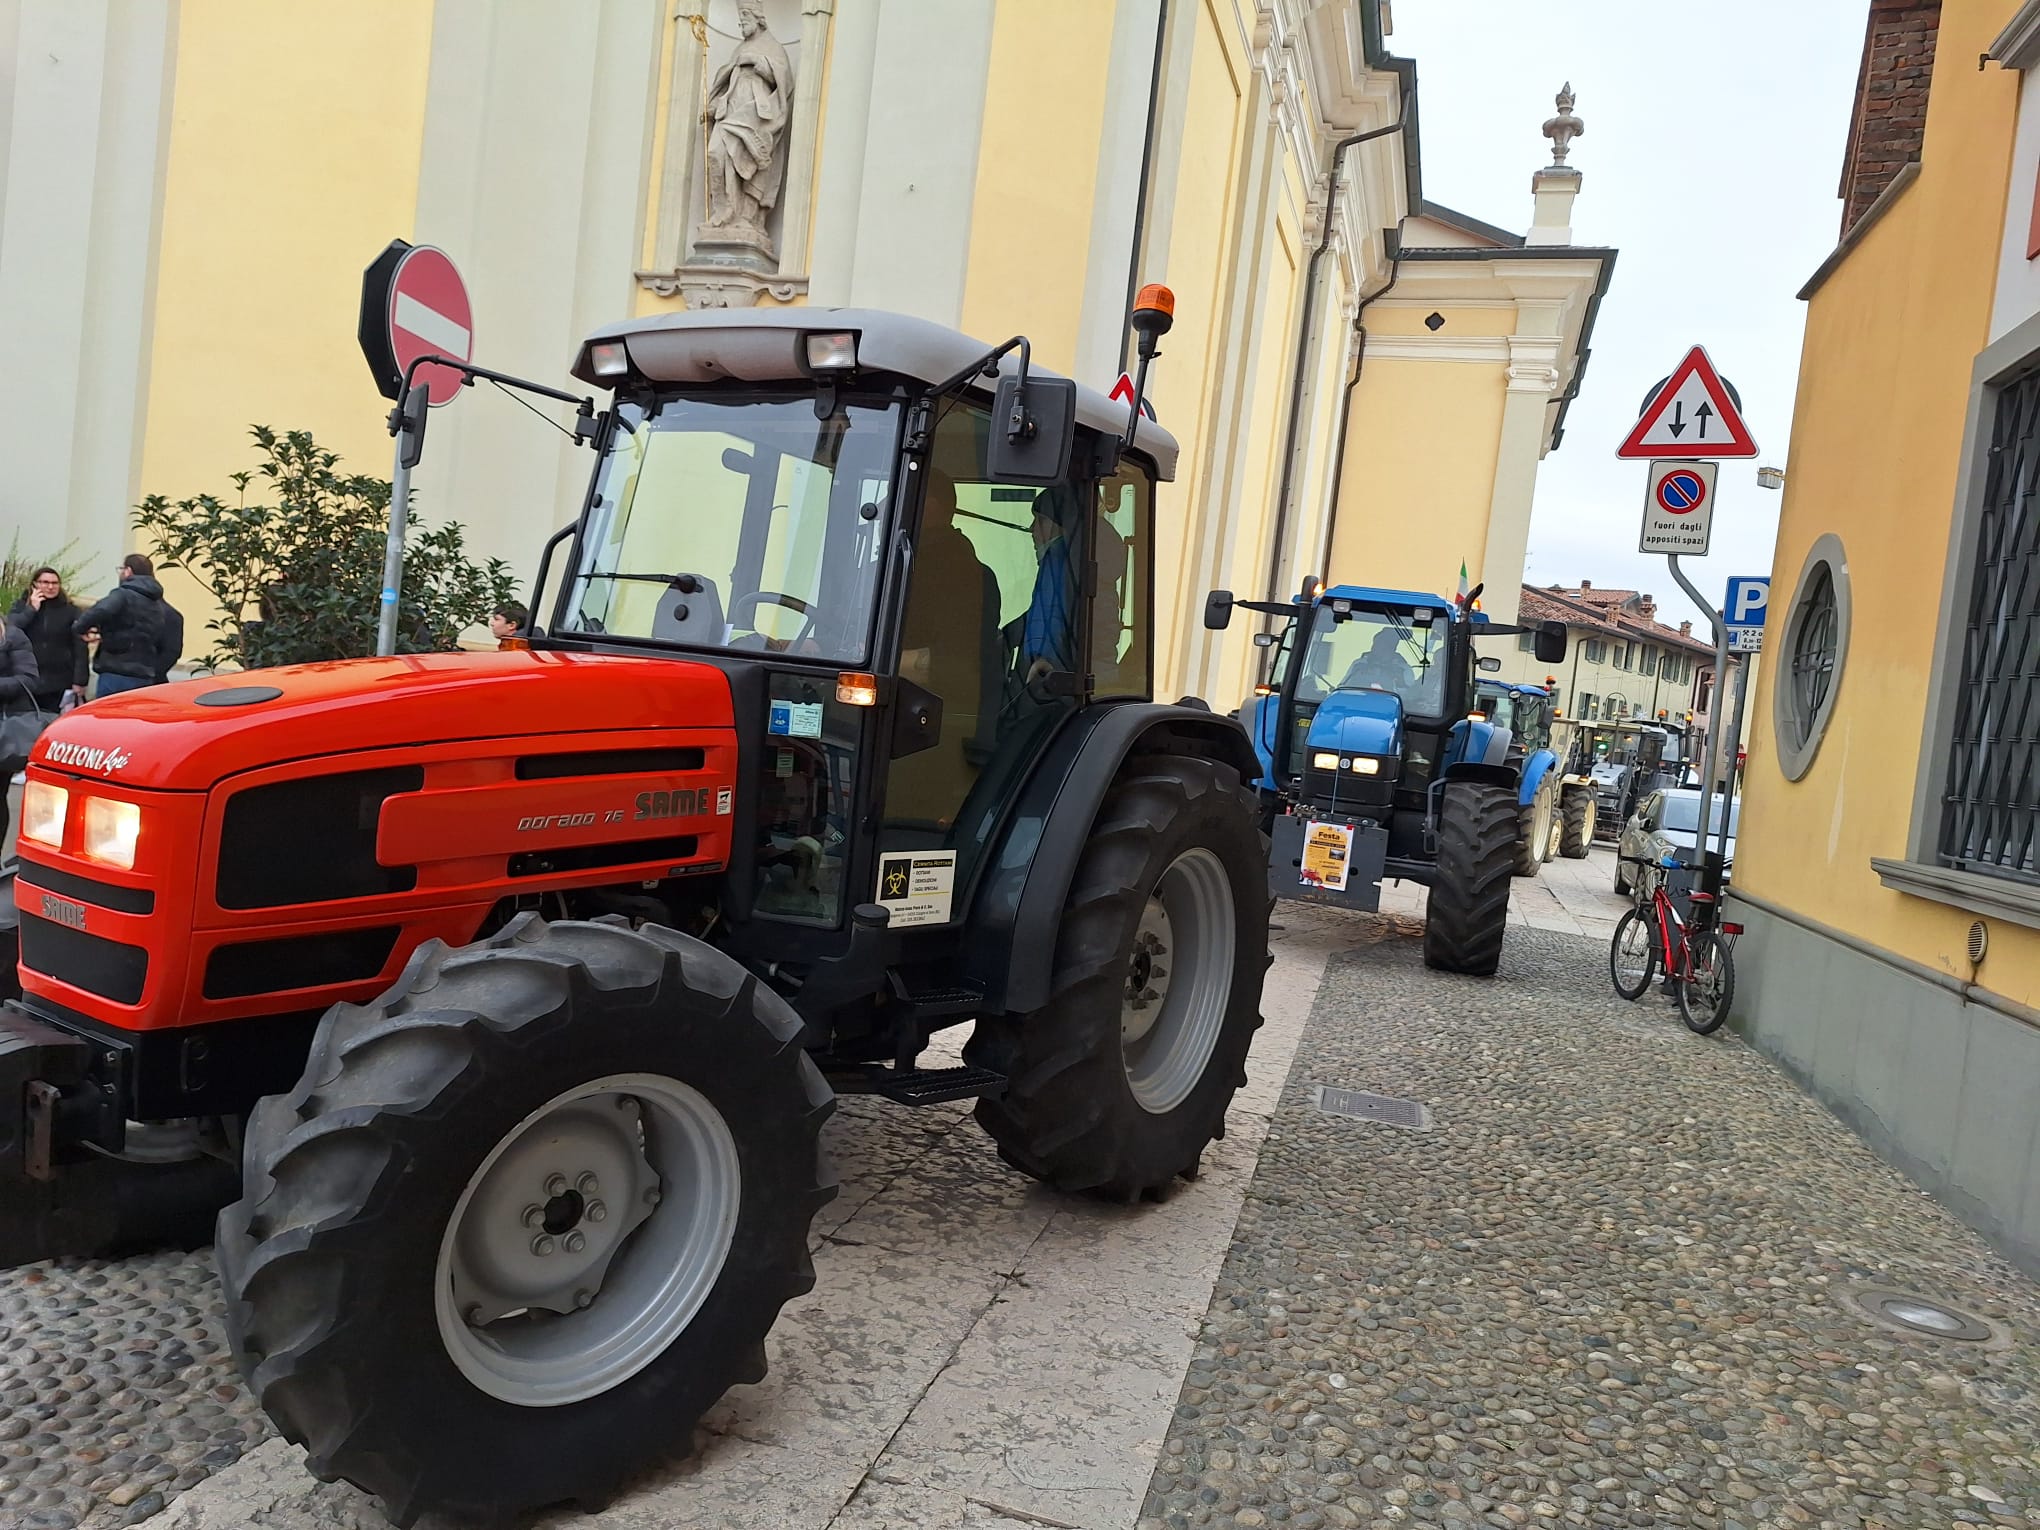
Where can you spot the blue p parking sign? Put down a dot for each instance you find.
(1744, 610)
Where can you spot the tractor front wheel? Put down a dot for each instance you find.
(1533, 829)
(1577, 812)
(526, 1218)
(1119, 1083)
(1468, 909)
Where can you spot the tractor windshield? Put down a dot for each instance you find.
(1389, 651)
(739, 522)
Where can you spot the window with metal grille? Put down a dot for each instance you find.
(1990, 817)
(1813, 649)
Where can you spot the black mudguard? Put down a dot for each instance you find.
(1020, 899)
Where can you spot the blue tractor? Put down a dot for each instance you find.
(1525, 710)
(1378, 761)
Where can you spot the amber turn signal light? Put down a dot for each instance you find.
(857, 690)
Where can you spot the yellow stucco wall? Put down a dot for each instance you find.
(1421, 450)
(293, 159)
(1030, 231)
(1877, 427)
(1460, 323)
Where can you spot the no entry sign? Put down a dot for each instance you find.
(413, 304)
(1678, 512)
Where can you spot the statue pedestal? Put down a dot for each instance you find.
(747, 249)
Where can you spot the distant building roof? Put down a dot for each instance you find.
(1602, 611)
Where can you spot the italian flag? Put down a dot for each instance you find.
(1462, 581)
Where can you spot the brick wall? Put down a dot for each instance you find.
(1890, 117)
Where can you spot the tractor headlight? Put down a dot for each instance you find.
(44, 805)
(111, 829)
(1366, 765)
(1324, 761)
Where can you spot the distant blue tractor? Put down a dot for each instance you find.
(1525, 710)
(1378, 761)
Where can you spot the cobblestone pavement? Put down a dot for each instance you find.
(1604, 1288)
(116, 1390)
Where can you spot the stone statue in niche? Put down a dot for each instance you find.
(749, 103)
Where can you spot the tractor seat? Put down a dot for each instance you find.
(685, 618)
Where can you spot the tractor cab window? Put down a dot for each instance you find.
(1374, 650)
(1120, 634)
(994, 613)
(740, 523)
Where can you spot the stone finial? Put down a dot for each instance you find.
(1563, 128)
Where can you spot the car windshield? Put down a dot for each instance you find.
(740, 523)
(1682, 814)
(1364, 650)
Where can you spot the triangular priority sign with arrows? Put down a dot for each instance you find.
(1692, 415)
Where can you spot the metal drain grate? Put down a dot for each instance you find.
(1378, 1108)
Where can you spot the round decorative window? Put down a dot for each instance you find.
(1814, 645)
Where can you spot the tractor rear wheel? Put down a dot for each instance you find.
(1577, 812)
(1533, 829)
(1123, 1078)
(526, 1218)
(1468, 909)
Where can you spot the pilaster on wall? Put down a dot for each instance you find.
(80, 222)
(547, 213)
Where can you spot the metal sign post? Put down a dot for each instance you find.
(1728, 783)
(1710, 864)
(407, 424)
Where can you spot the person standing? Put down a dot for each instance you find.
(140, 633)
(507, 623)
(18, 680)
(45, 613)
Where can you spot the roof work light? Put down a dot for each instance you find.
(609, 358)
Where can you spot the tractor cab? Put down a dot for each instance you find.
(1377, 760)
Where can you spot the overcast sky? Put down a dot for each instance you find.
(1711, 156)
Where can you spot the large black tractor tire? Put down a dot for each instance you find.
(1468, 909)
(1533, 829)
(1119, 1082)
(1577, 812)
(380, 1233)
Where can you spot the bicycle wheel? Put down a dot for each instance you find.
(1708, 987)
(1633, 954)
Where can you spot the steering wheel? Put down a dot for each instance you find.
(745, 605)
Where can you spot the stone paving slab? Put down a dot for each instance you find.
(1606, 1288)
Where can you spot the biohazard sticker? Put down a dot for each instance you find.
(917, 887)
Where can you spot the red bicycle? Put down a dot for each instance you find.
(1697, 956)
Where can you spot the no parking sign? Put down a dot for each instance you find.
(1678, 510)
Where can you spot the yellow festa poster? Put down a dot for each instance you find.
(1327, 852)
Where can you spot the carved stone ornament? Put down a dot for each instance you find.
(722, 286)
(1563, 128)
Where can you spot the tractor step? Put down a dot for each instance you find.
(937, 1003)
(934, 1086)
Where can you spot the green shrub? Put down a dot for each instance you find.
(296, 570)
(17, 569)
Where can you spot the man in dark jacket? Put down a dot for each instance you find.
(18, 677)
(46, 614)
(140, 633)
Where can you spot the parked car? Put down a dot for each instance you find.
(1666, 822)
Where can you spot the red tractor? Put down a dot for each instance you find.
(504, 995)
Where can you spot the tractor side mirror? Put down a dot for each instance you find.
(1549, 642)
(1265, 640)
(1490, 664)
(1034, 425)
(1218, 610)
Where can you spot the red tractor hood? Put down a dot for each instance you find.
(189, 735)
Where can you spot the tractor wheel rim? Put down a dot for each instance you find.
(1166, 1045)
(587, 1240)
(1541, 820)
